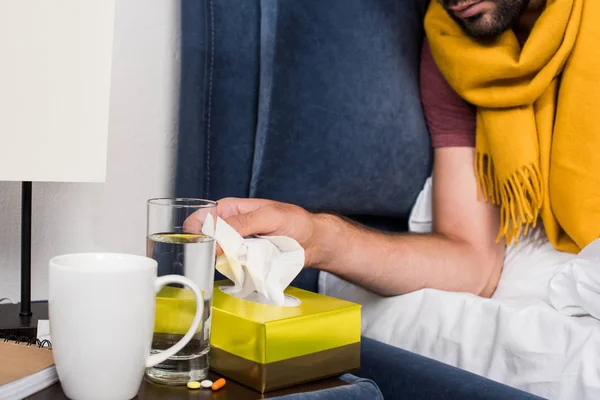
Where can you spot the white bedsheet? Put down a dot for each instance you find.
(516, 337)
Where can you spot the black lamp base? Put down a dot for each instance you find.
(21, 319)
(14, 324)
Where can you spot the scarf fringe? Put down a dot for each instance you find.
(519, 196)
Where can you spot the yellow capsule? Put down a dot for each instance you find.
(193, 385)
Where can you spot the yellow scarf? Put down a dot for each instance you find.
(538, 135)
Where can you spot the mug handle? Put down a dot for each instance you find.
(171, 351)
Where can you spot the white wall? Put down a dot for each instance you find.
(141, 143)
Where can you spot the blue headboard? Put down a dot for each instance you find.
(313, 102)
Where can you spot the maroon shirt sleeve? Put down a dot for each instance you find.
(450, 119)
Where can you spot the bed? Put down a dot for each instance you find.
(530, 335)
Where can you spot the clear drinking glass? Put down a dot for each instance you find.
(179, 238)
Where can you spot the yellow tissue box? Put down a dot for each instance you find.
(267, 347)
(175, 311)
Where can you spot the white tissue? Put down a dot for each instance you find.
(261, 267)
(575, 289)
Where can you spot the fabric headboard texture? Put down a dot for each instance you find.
(313, 102)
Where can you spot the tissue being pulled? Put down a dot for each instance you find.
(261, 267)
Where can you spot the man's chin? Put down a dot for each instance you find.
(494, 18)
(480, 27)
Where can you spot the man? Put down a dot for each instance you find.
(462, 253)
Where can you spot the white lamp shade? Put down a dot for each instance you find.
(55, 64)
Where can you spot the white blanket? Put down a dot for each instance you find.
(575, 290)
(517, 337)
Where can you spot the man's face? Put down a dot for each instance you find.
(485, 19)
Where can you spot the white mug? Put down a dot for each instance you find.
(102, 308)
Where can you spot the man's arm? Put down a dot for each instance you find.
(461, 254)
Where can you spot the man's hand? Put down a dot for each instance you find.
(267, 217)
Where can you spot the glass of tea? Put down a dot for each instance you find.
(179, 238)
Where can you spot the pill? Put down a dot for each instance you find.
(193, 385)
(219, 383)
(206, 383)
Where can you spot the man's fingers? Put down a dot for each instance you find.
(240, 214)
(244, 224)
(232, 206)
(246, 216)
(225, 208)
(260, 222)
(195, 222)
(192, 224)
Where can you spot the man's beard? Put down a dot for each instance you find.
(504, 16)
